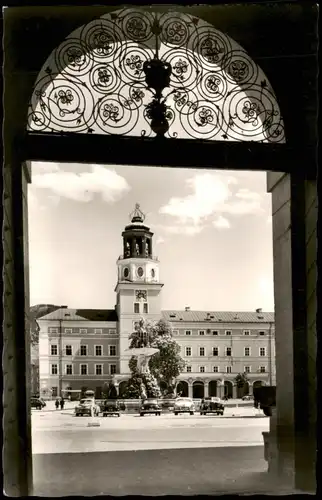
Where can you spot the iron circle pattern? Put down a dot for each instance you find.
(94, 81)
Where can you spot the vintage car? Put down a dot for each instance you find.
(183, 405)
(110, 407)
(247, 397)
(150, 406)
(212, 405)
(86, 407)
(37, 403)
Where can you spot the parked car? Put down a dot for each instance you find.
(248, 397)
(150, 406)
(85, 407)
(184, 405)
(37, 403)
(212, 405)
(110, 407)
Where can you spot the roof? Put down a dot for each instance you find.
(219, 316)
(67, 314)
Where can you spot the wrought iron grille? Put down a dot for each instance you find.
(97, 81)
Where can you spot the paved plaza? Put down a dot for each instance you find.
(151, 455)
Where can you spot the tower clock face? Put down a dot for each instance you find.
(126, 272)
(140, 272)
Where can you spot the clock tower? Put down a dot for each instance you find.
(138, 286)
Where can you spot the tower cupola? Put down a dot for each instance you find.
(137, 237)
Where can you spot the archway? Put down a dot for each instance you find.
(228, 389)
(182, 389)
(258, 383)
(96, 81)
(122, 387)
(212, 388)
(198, 389)
(303, 111)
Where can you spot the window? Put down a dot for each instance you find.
(246, 351)
(112, 331)
(246, 332)
(262, 369)
(215, 369)
(98, 350)
(202, 369)
(201, 332)
(68, 350)
(228, 351)
(228, 332)
(54, 392)
(261, 332)
(112, 350)
(97, 330)
(53, 330)
(83, 369)
(54, 350)
(175, 332)
(69, 369)
(54, 369)
(98, 369)
(145, 308)
(188, 351)
(201, 351)
(112, 369)
(83, 350)
(215, 332)
(189, 369)
(83, 330)
(215, 351)
(246, 369)
(262, 351)
(188, 332)
(68, 330)
(228, 369)
(136, 308)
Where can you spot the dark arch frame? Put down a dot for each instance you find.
(292, 50)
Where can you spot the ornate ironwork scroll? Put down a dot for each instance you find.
(94, 82)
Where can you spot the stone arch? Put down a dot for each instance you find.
(258, 383)
(217, 92)
(122, 387)
(212, 388)
(198, 389)
(182, 388)
(228, 388)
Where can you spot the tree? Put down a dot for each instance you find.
(241, 379)
(167, 364)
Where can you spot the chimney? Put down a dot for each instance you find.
(187, 308)
(64, 307)
(259, 310)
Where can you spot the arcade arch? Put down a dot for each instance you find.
(228, 389)
(182, 389)
(17, 343)
(198, 389)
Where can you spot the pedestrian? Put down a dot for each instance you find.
(57, 404)
(62, 402)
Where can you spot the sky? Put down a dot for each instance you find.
(212, 234)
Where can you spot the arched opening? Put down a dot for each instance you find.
(182, 389)
(228, 389)
(122, 388)
(212, 388)
(303, 114)
(243, 390)
(198, 389)
(258, 383)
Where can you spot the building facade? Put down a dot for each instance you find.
(86, 349)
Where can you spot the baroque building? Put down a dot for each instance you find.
(83, 349)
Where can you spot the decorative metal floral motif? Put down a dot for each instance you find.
(94, 82)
